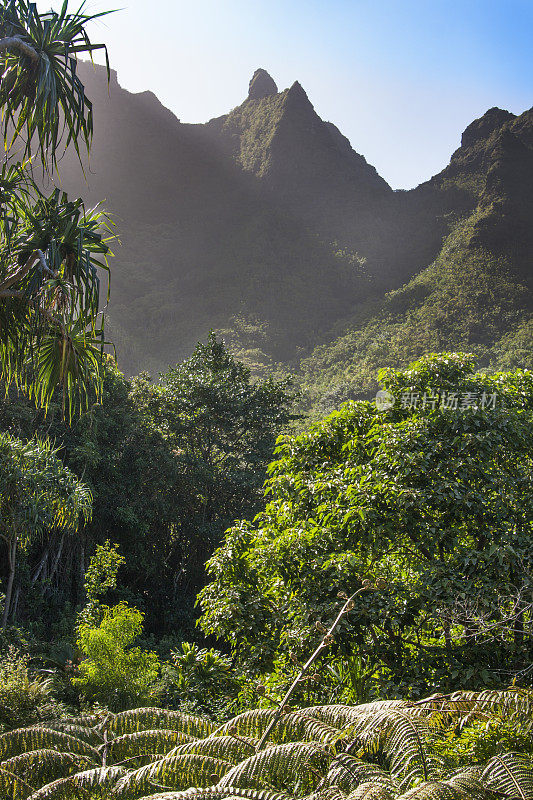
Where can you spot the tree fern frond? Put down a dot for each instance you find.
(371, 791)
(327, 793)
(400, 737)
(172, 772)
(40, 767)
(340, 716)
(292, 727)
(469, 783)
(297, 766)
(250, 723)
(429, 790)
(348, 772)
(510, 773)
(514, 704)
(142, 719)
(95, 784)
(13, 743)
(145, 743)
(87, 734)
(218, 793)
(12, 787)
(228, 748)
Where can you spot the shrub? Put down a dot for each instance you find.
(24, 699)
(114, 673)
(201, 678)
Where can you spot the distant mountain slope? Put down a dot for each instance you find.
(203, 239)
(476, 295)
(266, 224)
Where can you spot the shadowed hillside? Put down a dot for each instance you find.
(266, 224)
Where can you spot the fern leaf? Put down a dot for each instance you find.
(12, 787)
(22, 740)
(348, 773)
(142, 719)
(83, 732)
(217, 793)
(228, 748)
(433, 791)
(293, 727)
(294, 766)
(145, 743)
(44, 766)
(94, 784)
(172, 772)
(510, 773)
(371, 791)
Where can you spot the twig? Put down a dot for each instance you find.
(325, 641)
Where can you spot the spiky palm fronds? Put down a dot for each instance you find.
(40, 91)
(52, 250)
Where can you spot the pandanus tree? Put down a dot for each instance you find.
(38, 494)
(52, 250)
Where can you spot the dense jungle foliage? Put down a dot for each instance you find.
(173, 626)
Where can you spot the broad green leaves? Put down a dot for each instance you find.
(435, 502)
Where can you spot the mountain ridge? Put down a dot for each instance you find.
(265, 223)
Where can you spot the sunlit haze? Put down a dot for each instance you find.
(400, 79)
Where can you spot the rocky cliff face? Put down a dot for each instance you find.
(268, 224)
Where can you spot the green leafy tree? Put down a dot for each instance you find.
(114, 672)
(38, 494)
(223, 426)
(101, 576)
(434, 501)
(52, 250)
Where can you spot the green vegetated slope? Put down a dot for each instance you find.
(475, 296)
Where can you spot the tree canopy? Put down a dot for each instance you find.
(431, 499)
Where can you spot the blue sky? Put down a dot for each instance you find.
(400, 78)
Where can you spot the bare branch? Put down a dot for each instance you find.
(16, 43)
(324, 643)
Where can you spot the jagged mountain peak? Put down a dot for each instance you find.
(492, 120)
(261, 85)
